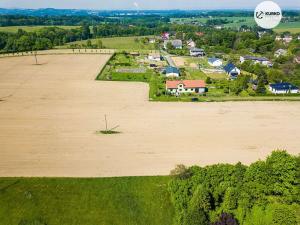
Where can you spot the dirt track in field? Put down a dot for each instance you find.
(49, 115)
(179, 61)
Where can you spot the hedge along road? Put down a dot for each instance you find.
(49, 115)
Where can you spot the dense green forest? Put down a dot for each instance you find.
(264, 193)
(46, 38)
(16, 17)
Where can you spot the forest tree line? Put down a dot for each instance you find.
(264, 193)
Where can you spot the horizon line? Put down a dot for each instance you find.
(92, 9)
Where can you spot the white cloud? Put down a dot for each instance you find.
(136, 4)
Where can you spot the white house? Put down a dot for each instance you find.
(191, 44)
(261, 33)
(197, 52)
(283, 88)
(297, 59)
(218, 27)
(172, 72)
(232, 70)
(280, 52)
(261, 60)
(287, 38)
(215, 62)
(154, 56)
(177, 87)
(152, 40)
(177, 44)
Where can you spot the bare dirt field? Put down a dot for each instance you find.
(60, 51)
(49, 114)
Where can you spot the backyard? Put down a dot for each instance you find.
(125, 67)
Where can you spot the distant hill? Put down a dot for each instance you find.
(45, 12)
(85, 12)
(121, 13)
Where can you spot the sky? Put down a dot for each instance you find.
(143, 4)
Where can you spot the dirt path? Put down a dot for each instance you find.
(179, 61)
(48, 124)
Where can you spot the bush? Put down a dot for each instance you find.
(244, 93)
(181, 172)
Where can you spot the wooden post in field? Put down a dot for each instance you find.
(35, 56)
(105, 123)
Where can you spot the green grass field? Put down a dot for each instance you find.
(195, 74)
(14, 29)
(235, 22)
(126, 62)
(101, 201)
(122, 43)
(293, 27)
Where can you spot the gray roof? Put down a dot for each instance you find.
(212, 60)
(283, 51)
(175, 43)
(196, 50)
(171, 69)
(249, 57)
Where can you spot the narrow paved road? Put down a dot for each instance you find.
(168, 58)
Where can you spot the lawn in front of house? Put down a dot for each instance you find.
(125, 67)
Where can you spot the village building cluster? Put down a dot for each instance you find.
(175, 85)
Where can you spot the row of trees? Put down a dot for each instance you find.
(42, 39)
(264, 193)
(227, 40)
(58, 20)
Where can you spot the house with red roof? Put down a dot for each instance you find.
(199, 34)
(177, 87)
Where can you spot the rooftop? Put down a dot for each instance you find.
(284, 86)
(175, 43)
(250, 57)
(212, 60)
(229, 67)
(281, 50)
(186, 83)
(197, 50)
(171, 69)
(155, 55)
